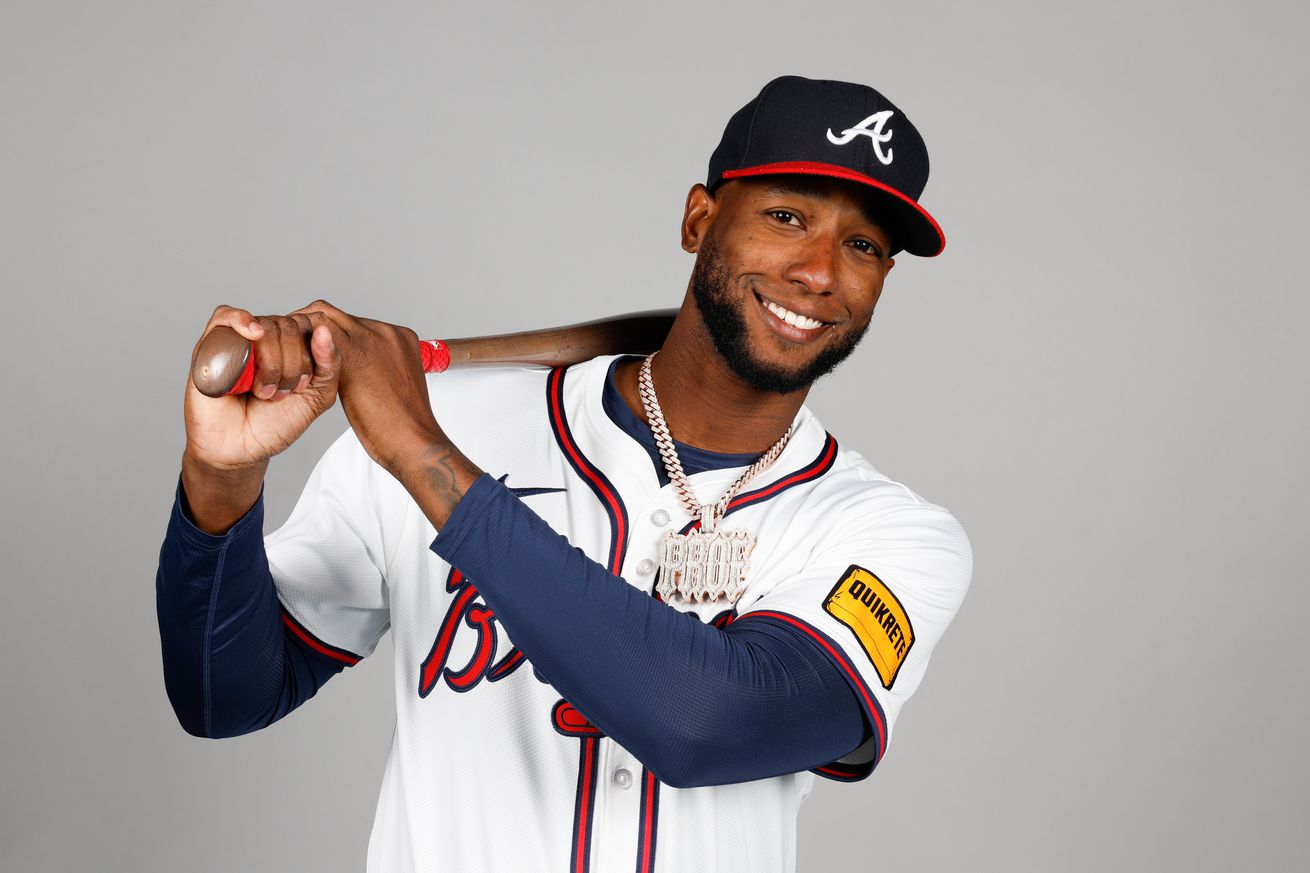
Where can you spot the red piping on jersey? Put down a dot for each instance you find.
(586, 778)
(347, 658)
(602, 487)
(609, 497)
(815, 468)
(650, 799)
(870, 704)
(853, 774)
(586, 791)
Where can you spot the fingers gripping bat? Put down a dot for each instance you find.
(225, 362)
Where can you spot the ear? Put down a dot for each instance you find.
(697, 217)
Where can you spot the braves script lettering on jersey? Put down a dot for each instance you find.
(489, 768)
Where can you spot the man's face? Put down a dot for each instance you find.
(788, 271)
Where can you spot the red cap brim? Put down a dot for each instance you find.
(923, 236)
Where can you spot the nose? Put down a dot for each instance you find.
(813, 264)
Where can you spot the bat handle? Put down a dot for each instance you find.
(225, 362)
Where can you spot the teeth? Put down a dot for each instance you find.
(792, 318)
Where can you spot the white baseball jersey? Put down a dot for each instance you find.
(489, 769)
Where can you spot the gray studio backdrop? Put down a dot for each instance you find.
(1104, 377)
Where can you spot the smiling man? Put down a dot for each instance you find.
(833, 326)
(636, 603)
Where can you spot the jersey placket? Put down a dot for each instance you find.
(612, 836)
(627, 794)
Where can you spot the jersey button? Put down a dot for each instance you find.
(645, 566)
(622, 778)
(659, 518)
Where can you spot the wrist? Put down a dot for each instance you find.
(215, 498)
(200, 465)
(436, 475)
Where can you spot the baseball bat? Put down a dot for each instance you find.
(225, 362)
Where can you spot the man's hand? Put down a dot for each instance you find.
(295, 382)
(231, 439)
(376, 369)
(384, 394)
(381, 382)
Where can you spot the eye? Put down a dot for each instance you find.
(867, 247)
(785, 217)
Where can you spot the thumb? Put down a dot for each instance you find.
(327, 360)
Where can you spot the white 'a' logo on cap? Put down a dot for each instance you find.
(872, 127)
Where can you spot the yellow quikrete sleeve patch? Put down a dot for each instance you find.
(864, 604)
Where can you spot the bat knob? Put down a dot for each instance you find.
(220, 361)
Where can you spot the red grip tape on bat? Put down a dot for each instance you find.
(435, 355)
(247, 377)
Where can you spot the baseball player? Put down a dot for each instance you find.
(636, 603)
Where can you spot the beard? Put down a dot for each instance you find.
(724, 317)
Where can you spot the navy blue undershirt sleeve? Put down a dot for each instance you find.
(696, 704)
(230, 664)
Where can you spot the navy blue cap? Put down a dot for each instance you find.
(819, 127)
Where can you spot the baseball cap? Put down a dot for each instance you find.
(820, 127)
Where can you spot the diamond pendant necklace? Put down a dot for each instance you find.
(706, 564)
